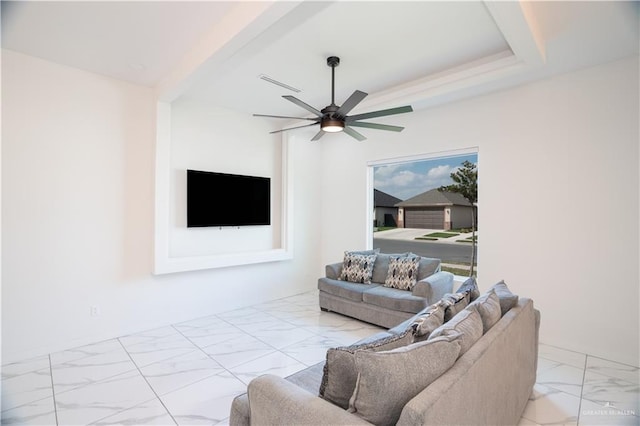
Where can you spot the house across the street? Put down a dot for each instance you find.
(385, 212)
(435, 210)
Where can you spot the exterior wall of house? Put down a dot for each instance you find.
(460, 217)
(380, 216)
(532, 140)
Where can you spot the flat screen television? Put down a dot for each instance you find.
(220, 199)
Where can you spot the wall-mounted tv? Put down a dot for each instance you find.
(220, 199)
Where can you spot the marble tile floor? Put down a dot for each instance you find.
(188, 373)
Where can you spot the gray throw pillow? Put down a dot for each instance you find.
(453, 303)
(431, 319)
(468, 324)
(488, 306)
(357, 268)
(470, 287)
(339, 376)
(388, 380)
(507, 299)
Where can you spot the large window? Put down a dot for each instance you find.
(427, 205)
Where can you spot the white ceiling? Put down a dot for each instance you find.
(424, 52)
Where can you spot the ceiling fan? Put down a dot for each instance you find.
(334, 118)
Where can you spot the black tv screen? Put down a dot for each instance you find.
(220, 199)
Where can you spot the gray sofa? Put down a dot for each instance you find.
(489, 384)
(380, 305)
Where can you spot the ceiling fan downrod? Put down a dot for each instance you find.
(333, 62)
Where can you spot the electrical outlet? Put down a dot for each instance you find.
(94, 310)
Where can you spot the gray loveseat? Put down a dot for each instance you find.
(380, 305)
(489, 384)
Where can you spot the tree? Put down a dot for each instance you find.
(466, 184)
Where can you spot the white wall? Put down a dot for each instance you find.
(545, 150)
(77, 210)
(77, 217)
(219, 140)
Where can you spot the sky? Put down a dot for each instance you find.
(407, 180)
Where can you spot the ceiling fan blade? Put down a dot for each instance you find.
(291, 128)
(318, 135)
(284, 116)
(376, 126)
(381, 113)
(302, 104)
(354, 134)
(355, 98)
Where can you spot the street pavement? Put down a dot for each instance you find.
(403, 239)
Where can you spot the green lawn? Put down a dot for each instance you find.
(442, 234)
(383, 228)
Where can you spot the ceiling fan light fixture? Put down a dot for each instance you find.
(332, 125)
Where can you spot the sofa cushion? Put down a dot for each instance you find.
(470, 287)
(340, 375)
(488, 306)
(453, 303)
(427, 322)
(468, 324)
(381, 266)
(427, 266)
(394, 299)
(388, 380)
(344, 289)
(357, 268)
(507, 299)
(402, 273)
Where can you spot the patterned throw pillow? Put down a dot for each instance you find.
(357, 268)
(403, 272)
(453, 304)
(470, 287)
(424, 325)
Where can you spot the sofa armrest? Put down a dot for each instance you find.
(333, 270)
(434, 286)
(276, 401)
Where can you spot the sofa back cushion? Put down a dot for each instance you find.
(507, 299)
(488, 306)
(340, 375)
(427, 267)
(467, 325)
(387, 380)
(381, 266)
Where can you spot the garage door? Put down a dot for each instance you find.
(425, 218)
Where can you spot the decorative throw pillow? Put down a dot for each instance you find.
(488, 306)
(339, 376)
(470, 287)
(453, 304)
(467, 323)
(403, 273)
(357, 268)
(388, 380)
(507, 299)
(424, 325)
